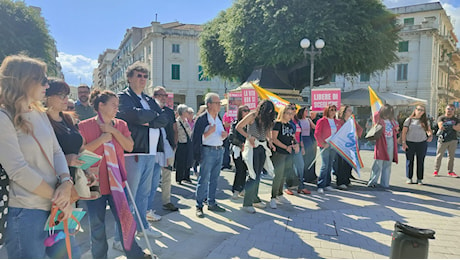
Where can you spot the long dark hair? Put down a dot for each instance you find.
(59, 86)
(423, 118)
(342, 111)
(301, 112)
(240, 112)
(387, 112)
(265, 114)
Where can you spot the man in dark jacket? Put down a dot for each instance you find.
(144, 118)
(208, 136)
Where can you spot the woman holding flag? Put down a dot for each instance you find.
(386, 149)
(342, 168)
(109, 137)
(326, 127)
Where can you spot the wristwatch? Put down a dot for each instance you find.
(68, 178)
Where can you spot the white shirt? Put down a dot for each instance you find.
(214, 139)
(332, 125)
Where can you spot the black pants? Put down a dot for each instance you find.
(240, 174)
(342, 170)
(310, 155)
(226, 160)
(419, 150)
(182, 162)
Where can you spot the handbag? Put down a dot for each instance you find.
(375, 132)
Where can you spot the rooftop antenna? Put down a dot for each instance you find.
(156, 16)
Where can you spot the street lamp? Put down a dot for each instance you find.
(319, 44)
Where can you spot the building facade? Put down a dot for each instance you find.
(429, 60)
(172, 52)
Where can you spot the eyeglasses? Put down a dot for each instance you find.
(44, 81)
(62, 96)
(142, 76)
(161, 95)
(450, 109)
(83, 92)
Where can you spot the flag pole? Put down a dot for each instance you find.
(316, 158)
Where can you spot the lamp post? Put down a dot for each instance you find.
(319, 44)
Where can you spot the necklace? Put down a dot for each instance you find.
(64, 125)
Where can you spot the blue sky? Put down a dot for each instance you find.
(83, 29)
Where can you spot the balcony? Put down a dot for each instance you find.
(446, 67)
(443, 92)
(448, 41)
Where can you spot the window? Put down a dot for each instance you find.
(176, 48)
(175, 71)
(201, 76)
(403, 46)
(401, 72)
(333, 78)
(408, 21)
(364, 77)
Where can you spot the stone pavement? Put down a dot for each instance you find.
(341, 224)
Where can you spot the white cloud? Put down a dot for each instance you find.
(454, 13)
(77, 68)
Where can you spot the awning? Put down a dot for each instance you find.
(360, 97)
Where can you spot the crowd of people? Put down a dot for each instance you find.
(141, 141)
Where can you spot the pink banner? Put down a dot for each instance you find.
(234, 101)
(321, 98)
(250, 98)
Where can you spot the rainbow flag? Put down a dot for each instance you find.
(265, 94)
(345, 142)
(375, 101)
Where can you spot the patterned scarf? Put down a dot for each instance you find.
(128, 225)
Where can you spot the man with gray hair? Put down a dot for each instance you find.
(208, 136)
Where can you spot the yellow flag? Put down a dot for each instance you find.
(265, 94)
(375, 101)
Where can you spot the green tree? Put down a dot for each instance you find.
(22, 30)
(361, 37)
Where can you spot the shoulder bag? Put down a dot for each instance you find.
(375, 132)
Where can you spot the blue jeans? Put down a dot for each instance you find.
(155, 182)
(24, 236)
(299, 165)
(381, 168)
(328, 156)
(210, 166)
(140, 174)
(96, 213)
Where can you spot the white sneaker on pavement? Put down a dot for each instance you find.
(150, 233)
(282, 200)
(343, 187)
(117, 246)
(235, 195)
(273, 204)
(249, 209)
(329, 188)
(260, 205)
(151, 216)
(320, 190)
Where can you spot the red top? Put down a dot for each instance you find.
(380, 149)
(323, 130)
(227, 119)
(90, 130)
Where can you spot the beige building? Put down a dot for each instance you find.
(172, 52)
(429, 60)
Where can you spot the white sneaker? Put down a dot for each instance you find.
(343, 187)
(329, 188)
(320, 190)
(282, 200)
(273, 204)
(150, 233)
(235, 195)
(249, 209)
(151, 216)
(241, 194)
(260, 205)
(118, 246)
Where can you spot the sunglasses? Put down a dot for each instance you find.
(245, 110)
(142, 76)
(70, 108)
(44, 81)
(450, 109)
(161, 95)
(332, 110)
(420, 109)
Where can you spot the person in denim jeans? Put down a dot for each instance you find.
(208, 137)
(31, 170)
(327, 126)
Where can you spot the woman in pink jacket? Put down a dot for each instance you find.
(386, 149)
(327, 126)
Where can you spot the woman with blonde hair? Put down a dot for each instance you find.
(31, 156)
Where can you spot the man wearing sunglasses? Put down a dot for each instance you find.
(82, 107)
(144, 118)
(448, 125)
